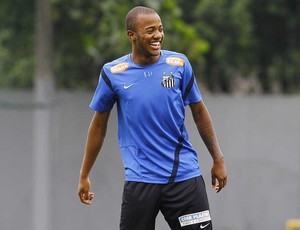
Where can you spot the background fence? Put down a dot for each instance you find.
(259, 135)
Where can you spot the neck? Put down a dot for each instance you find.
(144, 60)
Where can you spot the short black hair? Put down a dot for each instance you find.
(131, 17)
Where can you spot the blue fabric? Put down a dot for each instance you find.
(151, 104)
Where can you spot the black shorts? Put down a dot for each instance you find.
(184, 205)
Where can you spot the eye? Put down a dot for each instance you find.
(150, 31)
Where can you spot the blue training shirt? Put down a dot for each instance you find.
(151, 102)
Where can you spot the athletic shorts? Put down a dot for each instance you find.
(184, 205)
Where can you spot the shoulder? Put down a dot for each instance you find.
(116, 66)
(174, 58)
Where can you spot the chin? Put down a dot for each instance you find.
(156, 53)
(152, 54)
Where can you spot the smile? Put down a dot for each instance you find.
(155, 45)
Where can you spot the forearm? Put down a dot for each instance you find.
(207, 132)
(94, 142)
(209, 137)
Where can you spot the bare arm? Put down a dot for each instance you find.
(206, 130)
(94, 142)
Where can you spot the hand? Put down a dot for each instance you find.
(219, 175)
(84, 193)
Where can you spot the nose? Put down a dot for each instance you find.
(158, 34)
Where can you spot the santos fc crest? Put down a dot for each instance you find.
(168, 81)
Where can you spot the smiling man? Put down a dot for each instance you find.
(145, 31)
(151, 88)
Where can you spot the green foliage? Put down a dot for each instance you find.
(227, 27)
(16, 43)
(181, 36)
(222, 38)
(90, 33)
(277, 26)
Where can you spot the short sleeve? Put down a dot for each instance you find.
(190, 90)
(104, 96)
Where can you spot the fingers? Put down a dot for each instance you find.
(218, 183)
(215, 185)
(219, 175)
(213, 181)
(86, 197)
(84, 193)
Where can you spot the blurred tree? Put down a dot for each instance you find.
(90, 33)
(277, 32)
(224, 39)
(285, 65)
(227, 26)
(16, 43)
(181, 35)
(269, 18)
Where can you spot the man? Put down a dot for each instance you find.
(151, 87)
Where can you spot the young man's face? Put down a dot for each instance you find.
(149, 35)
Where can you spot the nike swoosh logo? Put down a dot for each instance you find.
(204, 226)
(128, 86)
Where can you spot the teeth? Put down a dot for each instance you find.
(155, 43)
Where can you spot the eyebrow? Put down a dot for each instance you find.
(153, 27)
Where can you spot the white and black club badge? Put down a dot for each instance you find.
(168, 81)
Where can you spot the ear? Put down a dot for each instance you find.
(131, 35)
